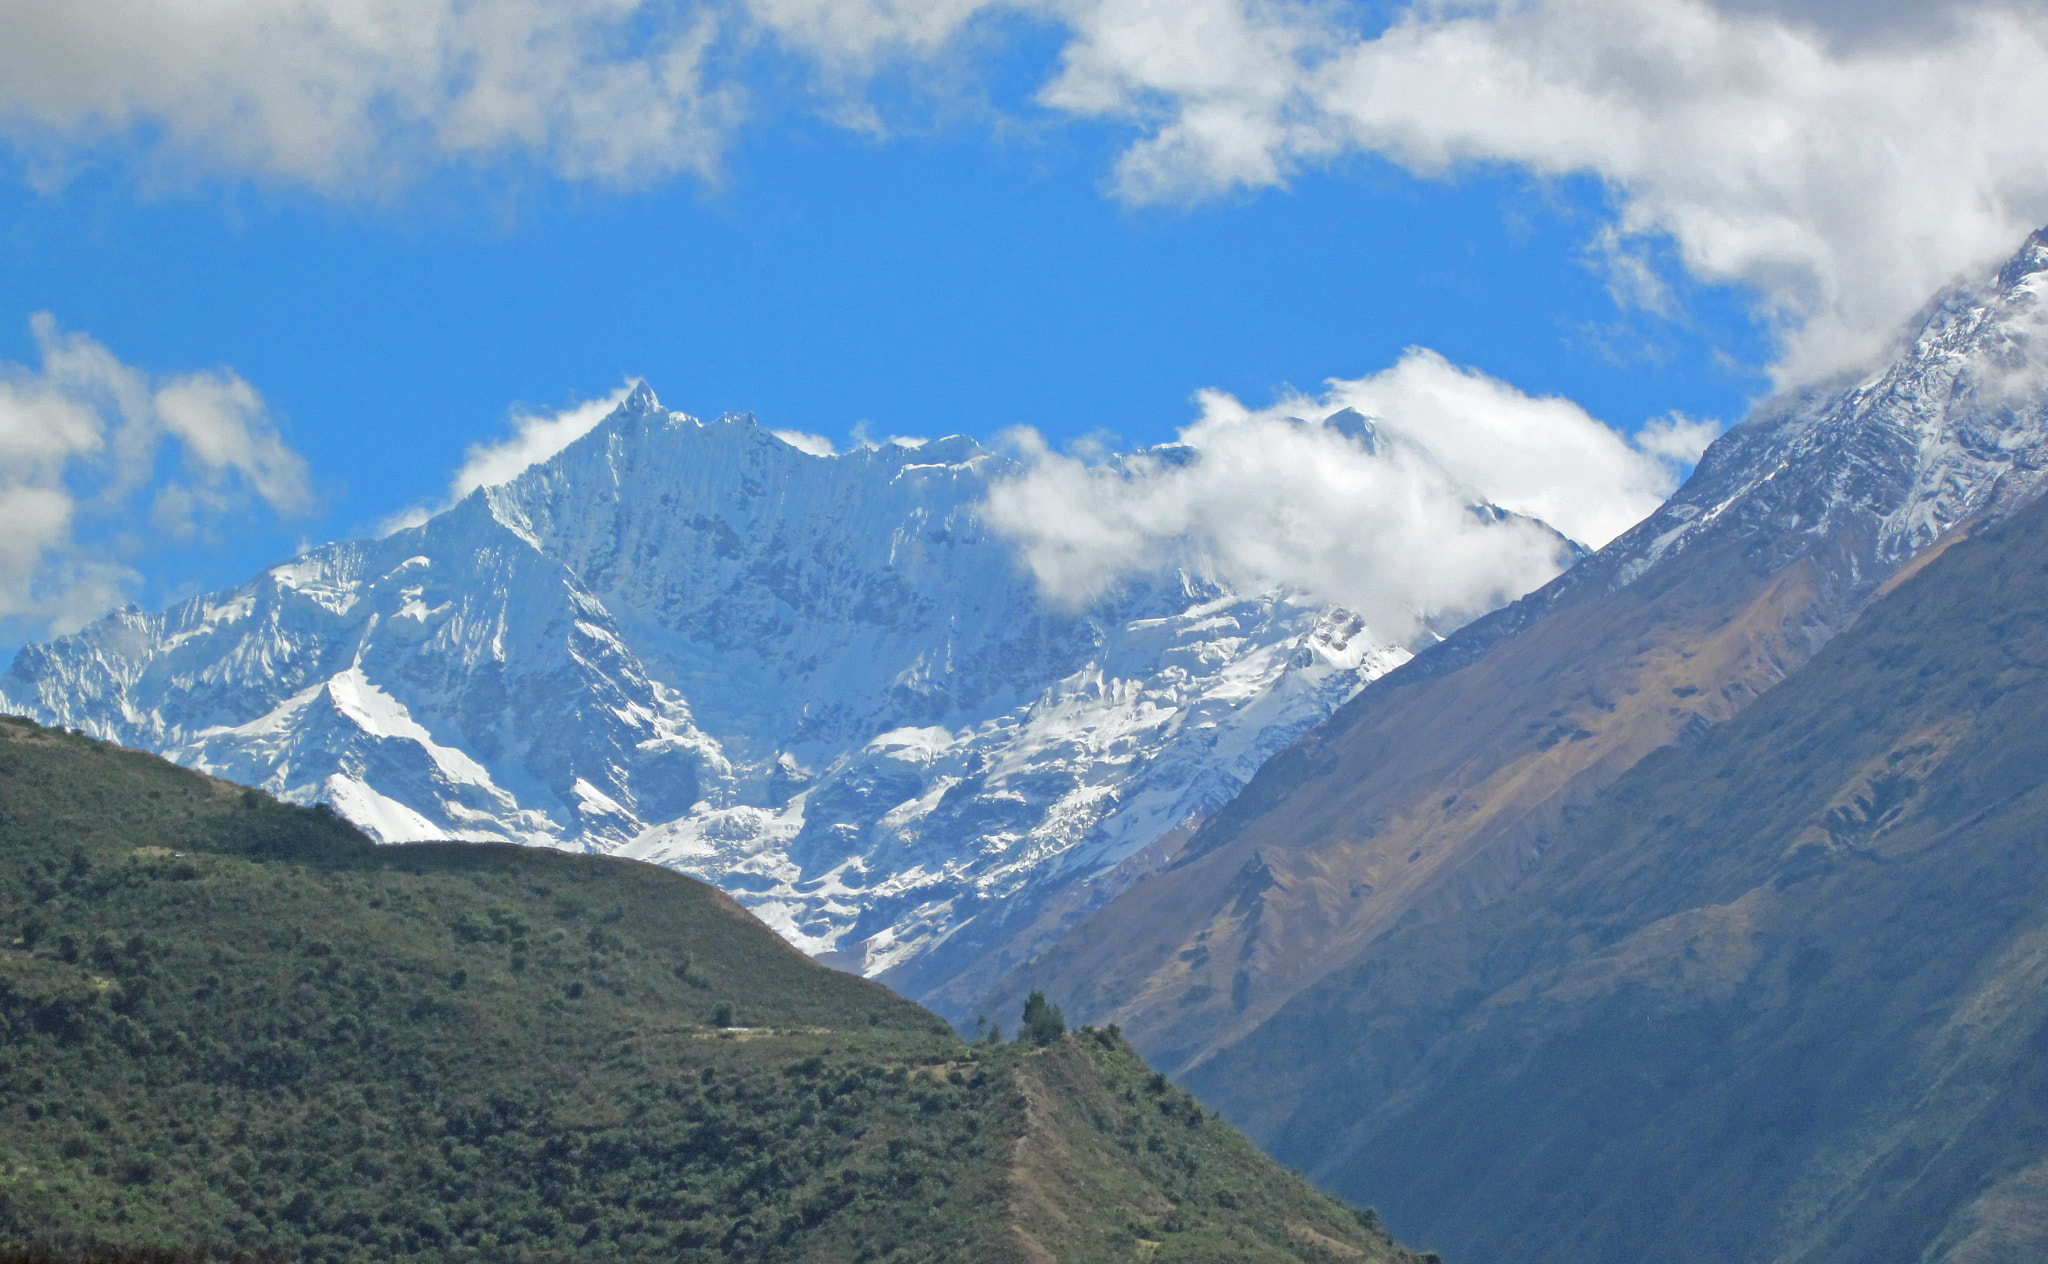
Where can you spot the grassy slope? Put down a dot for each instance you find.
(230, 1023)
(1778, 995)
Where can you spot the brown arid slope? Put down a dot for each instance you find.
(1430, 793)
(1780, 995)
(1432, 790)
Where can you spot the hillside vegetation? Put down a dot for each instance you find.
(228, 1024)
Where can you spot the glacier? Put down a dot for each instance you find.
(820, 682)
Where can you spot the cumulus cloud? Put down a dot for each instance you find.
(1544, 457)
(535, 437)
(1842, 180)
(1876, 21)
(96, 456)
(1372, 507)
(1840, 159)
(340, 94)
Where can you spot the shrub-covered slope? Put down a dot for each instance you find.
(227, 1023)
(1779, 995)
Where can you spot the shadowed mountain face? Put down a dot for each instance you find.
(1433, 790)
(1778, 995)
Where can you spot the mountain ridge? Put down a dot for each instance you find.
(1434, 787)
(821, 682)
(1775, 995)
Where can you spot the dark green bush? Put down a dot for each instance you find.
(1043, 1022)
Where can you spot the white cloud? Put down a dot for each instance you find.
(96, 455)
(221, 420)
(1877, 21)
(340, 94)
(864, 437)
(1844, 180)
(1378, 519)
(535, 437)
(1543, 457)
(861, 33)
(805, 441)
(1677, 438)
(1842, 158)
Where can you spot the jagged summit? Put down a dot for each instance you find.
(1955, 427)
(1434, 790)
(2031, 259)
(1857, 476)
(638, 402)
(1355, 426)
(822, 683)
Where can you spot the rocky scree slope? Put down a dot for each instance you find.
(1780, 995)
(821, 683)
(228, 1023)
(1433, 790)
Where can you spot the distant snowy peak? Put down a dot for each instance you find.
(1856, 475)
(399, 679)
(1955, 427)
(821, 682)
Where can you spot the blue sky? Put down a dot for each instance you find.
(959, 232)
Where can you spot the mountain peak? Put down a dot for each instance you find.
(638, 402)
(1357, 427)
(1436, 787)
(829, 685)
(2031, 259)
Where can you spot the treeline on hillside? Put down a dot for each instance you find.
(234, 1026)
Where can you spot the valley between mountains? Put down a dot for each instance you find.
(1767, 1067)
(1686, 908)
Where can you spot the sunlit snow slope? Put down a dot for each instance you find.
(821, 683)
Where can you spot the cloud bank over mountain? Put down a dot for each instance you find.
(100, 460)
(1377, 508)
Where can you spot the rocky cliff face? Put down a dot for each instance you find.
(1434, 790)
(821, 683)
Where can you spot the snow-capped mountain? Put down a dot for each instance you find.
(822, 683)
(1856, 475)
(1954, 428)
(1858, 846)
(1434, 791)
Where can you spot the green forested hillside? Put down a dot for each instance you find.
(230, 1024)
